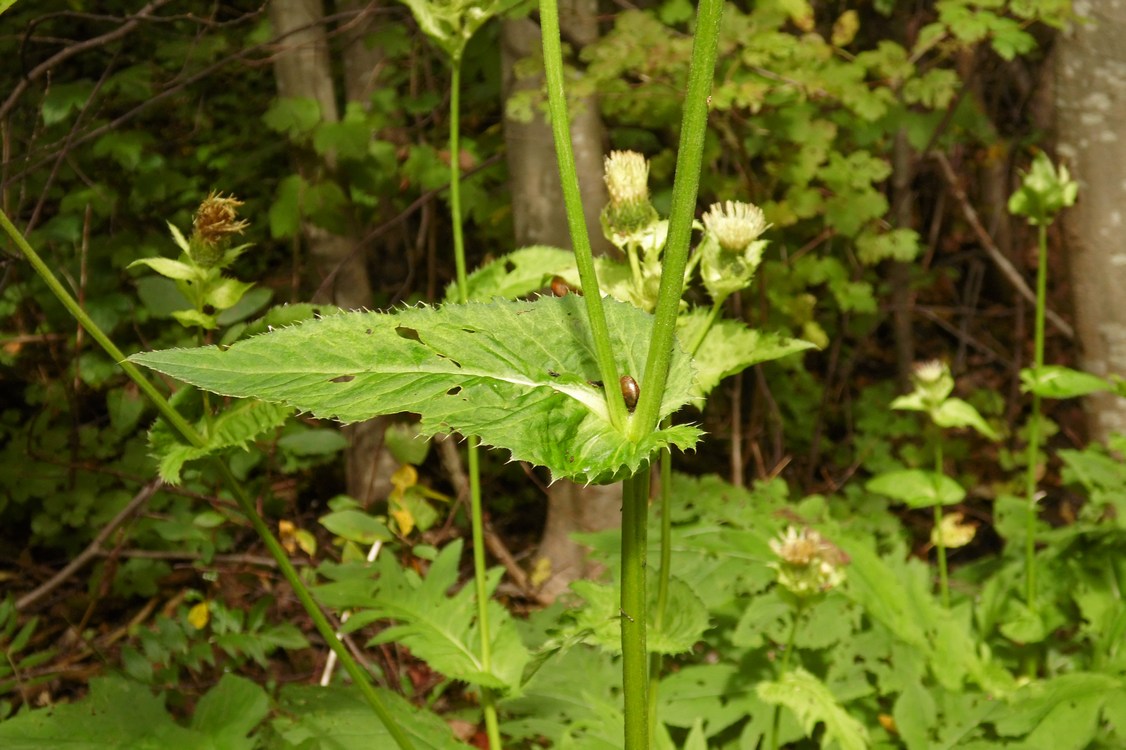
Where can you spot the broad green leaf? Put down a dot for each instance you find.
(918, 488)
(230, 711)
(715, 694)
(520, 375)
(531, 269)
(515, 274)
(811, 702)
(954, 412)
(1060, 712)
(5, 4)
(686, 617)
(356, 526)
(117, 713)
(730, 347)
(336, 718)
(1055, 381)
(438, 628)
(313, 442)
(171, 269)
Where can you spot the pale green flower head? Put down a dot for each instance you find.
(731, 250)
(1044, 192)
(629, 217)
(808, 565)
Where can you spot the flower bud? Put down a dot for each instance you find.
(215, 222)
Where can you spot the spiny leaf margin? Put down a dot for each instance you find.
(520, 375)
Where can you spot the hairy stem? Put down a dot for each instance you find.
(576, 221)
(635, 507)
(689, 160)
(1034, 425)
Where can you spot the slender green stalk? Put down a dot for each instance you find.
(685, 188)
(635, 509)
(662, 584)
(488, 701)
(576, 221)
(245, 503)
(783, 668)
(940, 542)
(1034, 424)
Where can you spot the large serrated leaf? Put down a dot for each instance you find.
(519, 375)
(440, 629)
(730, 347)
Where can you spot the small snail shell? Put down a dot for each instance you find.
(631, 391)
(559, 287)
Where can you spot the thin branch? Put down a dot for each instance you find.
(94, 549)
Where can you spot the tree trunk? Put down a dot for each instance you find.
(1091, 107)
(539, 218)
(303, 69)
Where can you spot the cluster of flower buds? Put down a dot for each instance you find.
(727, 257)
(216, 221)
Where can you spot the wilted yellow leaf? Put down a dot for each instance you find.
(200, 615)
(845, 28)
(286, 531)
(405, 476)
(953, 532)
(404, 518)
(541, 571)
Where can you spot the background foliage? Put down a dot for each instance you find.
(828, 117)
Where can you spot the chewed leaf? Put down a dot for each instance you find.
(519, 375)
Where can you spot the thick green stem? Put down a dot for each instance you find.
(488, 702)
(245, 503)
(1034, 425)
(662, 584)
(685, 188)
(572, 200)
(635, 510)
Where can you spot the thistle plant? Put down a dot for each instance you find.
(932, 395)
(205, 255)
(1044, 192)
(808, 567)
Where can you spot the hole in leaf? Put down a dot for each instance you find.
(368, 332)
(509, 266)
(454, 391)
(208, 310)
(317, 313)
(343, 379)
(553, 373)
(469, 330)
(408, 333)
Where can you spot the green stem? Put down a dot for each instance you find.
(1034, 424)
(662, 584)
(488, 701)
(783, 668)
(685, 188)
(576, 220)
(245, 503)
(635, 510)
(940, 543)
